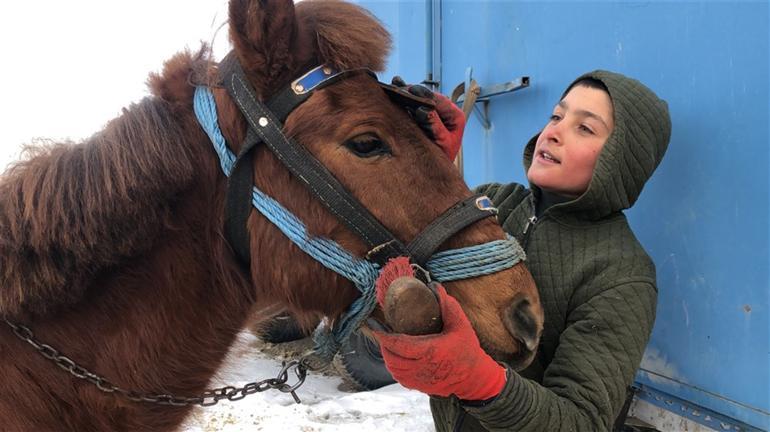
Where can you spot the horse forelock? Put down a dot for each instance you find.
(347, 36)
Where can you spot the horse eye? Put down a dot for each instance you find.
(367, 145)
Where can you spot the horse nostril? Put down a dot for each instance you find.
(522, 321)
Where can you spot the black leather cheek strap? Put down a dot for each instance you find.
(240, 183)
(307, 169)
(448, 224)
(238, 199)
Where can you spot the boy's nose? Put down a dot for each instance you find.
(552, 133)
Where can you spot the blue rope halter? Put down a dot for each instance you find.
(445, 266)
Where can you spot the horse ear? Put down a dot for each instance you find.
(263, 34)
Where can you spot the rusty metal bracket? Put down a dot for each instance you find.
(470, 91)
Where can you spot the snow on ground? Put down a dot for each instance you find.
(324, 406)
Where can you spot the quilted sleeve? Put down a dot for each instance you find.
(584, 386)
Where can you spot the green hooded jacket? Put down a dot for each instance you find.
(596, 283)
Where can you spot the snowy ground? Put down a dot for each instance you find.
(324, 407)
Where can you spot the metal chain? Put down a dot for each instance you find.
(206, 398)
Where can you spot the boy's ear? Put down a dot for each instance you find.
(263, 34)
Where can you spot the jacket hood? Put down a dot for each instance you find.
(632, 151)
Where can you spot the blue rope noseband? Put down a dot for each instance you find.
(445, 266)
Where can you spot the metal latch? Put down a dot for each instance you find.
(470, 92)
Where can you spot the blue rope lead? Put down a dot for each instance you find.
(474, 261)
(445, 266)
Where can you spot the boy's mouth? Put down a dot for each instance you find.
(548, 157)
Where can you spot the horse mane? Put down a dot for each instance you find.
(71, 210)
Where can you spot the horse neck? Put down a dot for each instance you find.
(160, 322)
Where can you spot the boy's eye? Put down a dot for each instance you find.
(586, 129)
(555, 117)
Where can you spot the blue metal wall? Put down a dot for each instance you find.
(704, 215)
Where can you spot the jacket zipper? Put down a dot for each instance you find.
(528, 230)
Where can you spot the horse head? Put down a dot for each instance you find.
(371, 145)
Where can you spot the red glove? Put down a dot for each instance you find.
(442, 364)
(444, 125)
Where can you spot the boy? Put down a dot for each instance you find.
(597, 285)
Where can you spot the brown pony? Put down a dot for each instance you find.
(111, 250)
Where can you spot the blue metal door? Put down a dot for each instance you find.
(704, 215)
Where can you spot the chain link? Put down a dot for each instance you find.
(207, 398)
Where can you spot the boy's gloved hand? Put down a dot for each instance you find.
(444, 125)
(441, 364)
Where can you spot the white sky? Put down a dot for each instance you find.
(68, 67)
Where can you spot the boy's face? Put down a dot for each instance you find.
(567, 149)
